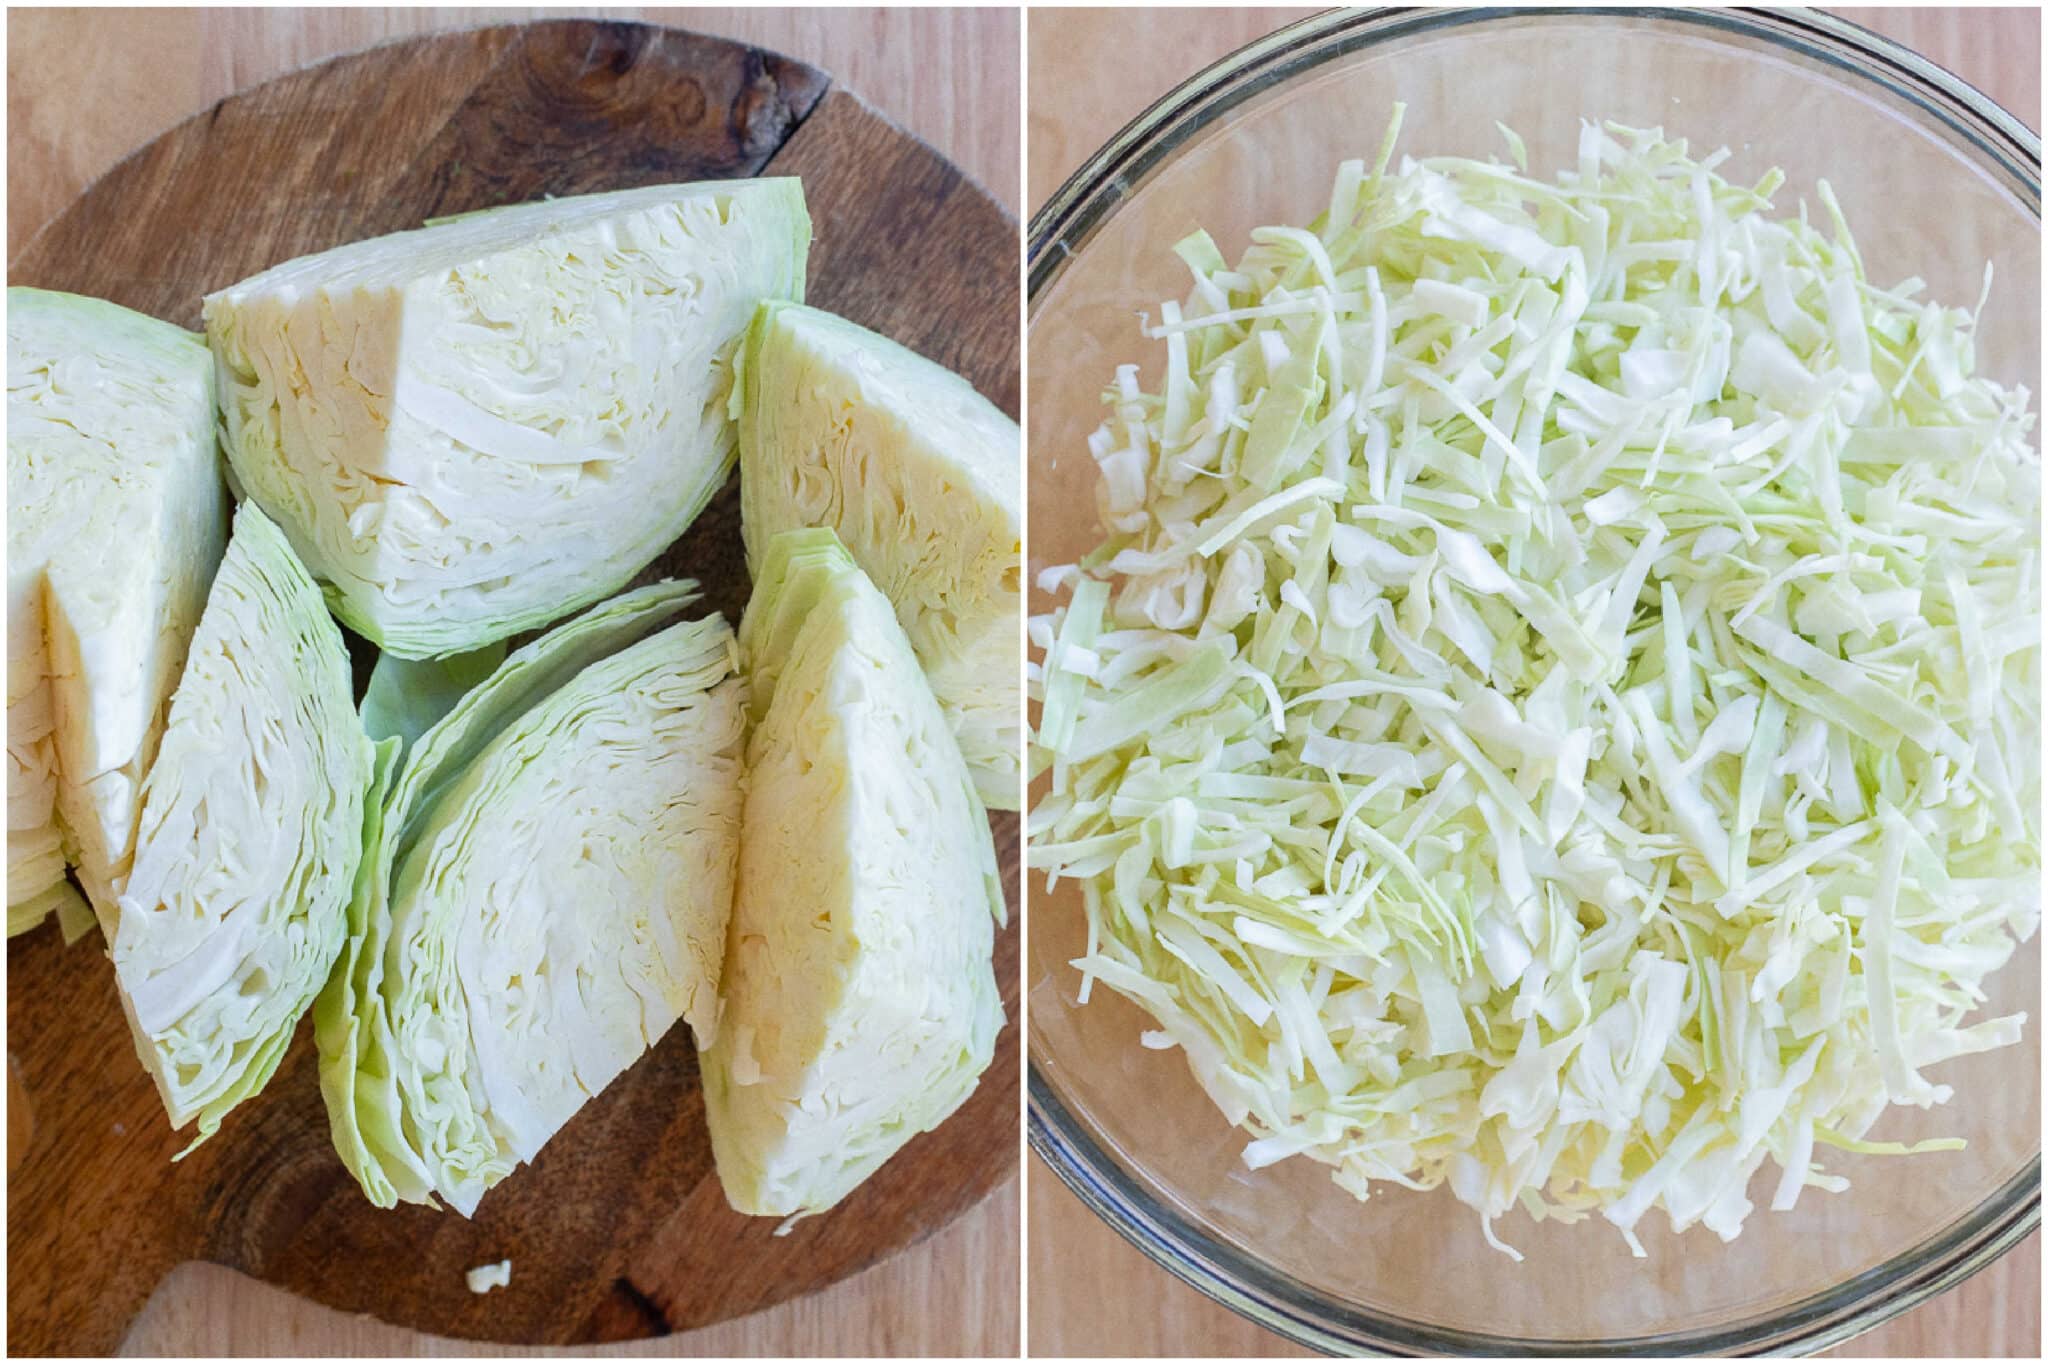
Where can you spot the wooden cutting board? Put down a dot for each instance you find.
(620, 1229)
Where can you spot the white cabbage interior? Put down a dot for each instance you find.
(860, 1001)
(919, 476)
(565, 902)
(117, 516)
(476, 427)
(250, 834)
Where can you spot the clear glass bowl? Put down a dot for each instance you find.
(1937, 180)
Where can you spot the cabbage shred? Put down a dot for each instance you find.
(1553, 713)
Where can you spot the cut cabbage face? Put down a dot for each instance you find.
(117, 516)
(547, 894)
(918, 475)
(475, 428)
(1555, 712)
(860, 1000)
(249, 839)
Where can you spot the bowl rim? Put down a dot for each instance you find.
(1250, 1288)
(1057, 232)
(1065, 222)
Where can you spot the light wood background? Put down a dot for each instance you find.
(1090, 1292)
(956, 1294)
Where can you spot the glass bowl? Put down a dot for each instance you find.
(1937, 180)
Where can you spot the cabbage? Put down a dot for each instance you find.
(918, 475)
(472, 429)
(1555, 711)
(249, 837)
(483, 1279)
(546, 893)
(860, 1003)
(116, 521)
(407, 697)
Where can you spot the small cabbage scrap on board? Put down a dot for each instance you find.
(249, 838)
(117, 517)
(546, 892)
(860, 996)
(918, 474)
(1555, 711)
(474, 428)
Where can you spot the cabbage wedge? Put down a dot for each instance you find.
(249, 839)
(546, 895)
(474, 428)
(860, 1003)
(116, 519)
(919, 476)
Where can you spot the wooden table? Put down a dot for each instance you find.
(957, 1293)
(1091, 1293)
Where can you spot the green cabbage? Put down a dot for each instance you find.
(1555, 712)
(546, 893)
(250, 833)
(918, 475)
(117, 517)
(860, 1003)
(471, 429)
(407, 697)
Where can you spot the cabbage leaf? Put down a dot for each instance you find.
(407, 697)
(249, 838)
(546, 894)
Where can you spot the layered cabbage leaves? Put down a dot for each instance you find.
(117, 517)
(249, 838)
(474, 428)
(546, 893)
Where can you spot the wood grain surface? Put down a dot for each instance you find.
(1091, 1294)
(370, 144)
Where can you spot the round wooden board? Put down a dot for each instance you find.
(620, 1229)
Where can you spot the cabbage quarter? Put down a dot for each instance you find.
(475, 428)
(918, 475)
(250, 835)
(546, 895)
(860, 997)
(117, 517)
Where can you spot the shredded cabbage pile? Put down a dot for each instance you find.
(1554, 713)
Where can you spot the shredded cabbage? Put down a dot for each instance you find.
(1554, 712)
(483, 1279)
